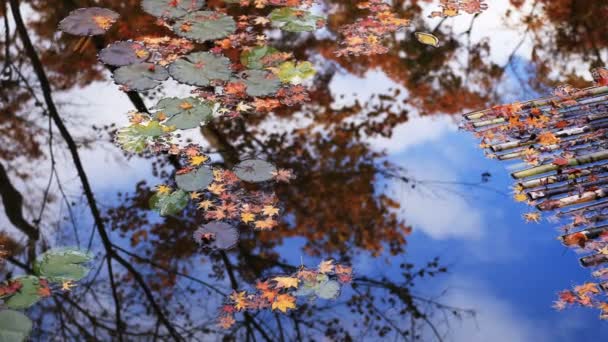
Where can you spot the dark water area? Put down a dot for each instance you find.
(385, 182)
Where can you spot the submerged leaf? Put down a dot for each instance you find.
(171, 8)
(204, 25)
(88, 21)
(290, 72)
(169, 204)
(295, 20)
(140, 77)
(200, 68)
(14, 326)
(254, 58)
(217, 235)
(254, 170)
(61, 265)
(124, 53)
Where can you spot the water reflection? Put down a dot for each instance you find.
(336, 207)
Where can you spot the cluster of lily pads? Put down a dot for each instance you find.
(56, 269)
(261, 79)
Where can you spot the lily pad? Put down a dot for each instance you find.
(204, 25)
(27, 295)
(260, 82)
(254, 170)
(88, 21)
(135, 138)
(60, 265)
(14, 326)
(254, 58)
(295, 20)
(124, 53)
(321, 287)
(184, 113)
(200, 68)
(171, 8)
(169, 204)
(217, 235)
(140, 77)
(290, 72)
(196, 180)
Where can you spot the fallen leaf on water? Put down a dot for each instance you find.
(427, 39)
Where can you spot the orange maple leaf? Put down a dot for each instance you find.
(284, 302)
(547, 138)
(240, 300)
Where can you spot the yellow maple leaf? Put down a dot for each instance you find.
(67, 285)
(205, 205)
(284, 302)
(532, 217)
(163, 189)
(521, 197)
(270, 210)
(247, 217)
(198, 160)
(240, 300)
(286, 282)
(216, 188)
(195, 195)
(266, 224)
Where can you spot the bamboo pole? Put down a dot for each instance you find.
(587, 234)
(538, 170)
(588, 208)
(559, 190)
(593, 260)
(585, 197)
(589, 92)
(558, 178)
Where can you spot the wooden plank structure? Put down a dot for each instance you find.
(558, 147)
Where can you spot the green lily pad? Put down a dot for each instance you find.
(254, 170)
(290, 72)
(200, 68)
(184, 113)
(140, 77)
(123, 53)
(169, 204)
(260, 82)
(27, 295)
(196, 180)
(204, 25)
(254, 58)
(135, 138)
(171, 8)
(14, 326)
(321, 287)
(60, 265)
(294, 20)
